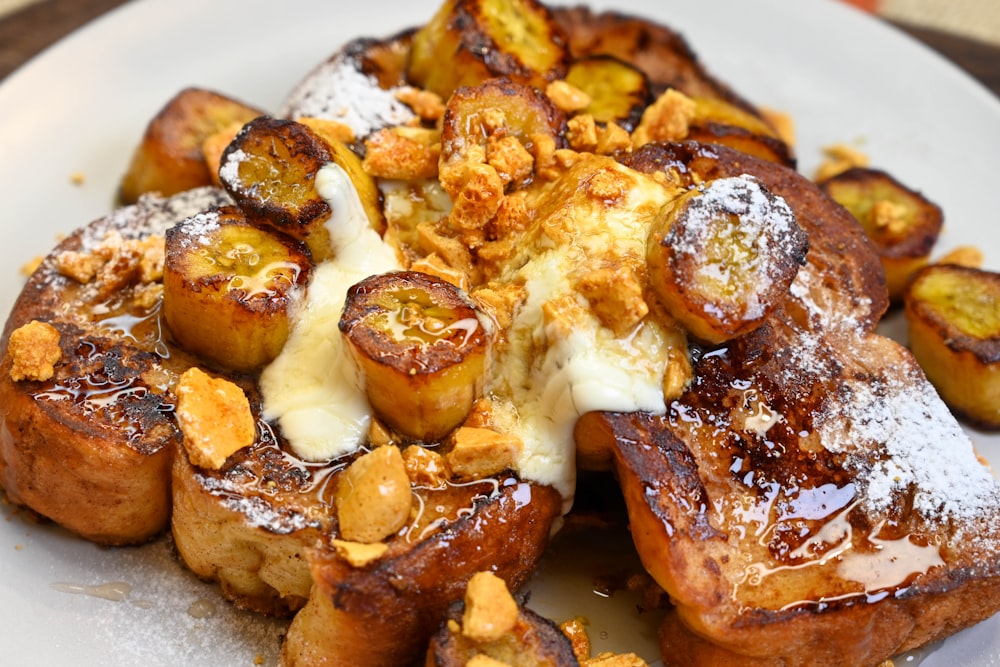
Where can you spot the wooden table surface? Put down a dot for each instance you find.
(28, 31)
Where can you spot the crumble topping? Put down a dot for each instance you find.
(34, 350)
(214, 417)
(490, 609)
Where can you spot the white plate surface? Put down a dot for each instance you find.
(81, 106)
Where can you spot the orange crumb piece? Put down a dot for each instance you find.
(839, 158)
(566, 96)
(965, 255)
(359, 554)
(427, 105)
(576, 630)
(615, 297)
(481, 452)
(34, 350)
(615, 660)
(667, 119)
(490, 609)
(215, 418)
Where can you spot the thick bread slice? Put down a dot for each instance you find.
(90, 448)
(810, 500)
(356, 86)
(265, 526)
(249, 524)
(384, 612)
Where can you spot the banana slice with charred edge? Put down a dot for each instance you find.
(763, 146)
(618, 90)
(902, 223)
(422, 347)
(713, 110)
(482, 39)
(717, 121)
(953, 318)
(270, 170)
(170, 157)
(228, 287)
(723, 256)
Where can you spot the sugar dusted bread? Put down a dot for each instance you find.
(810, 501)
(89, 444)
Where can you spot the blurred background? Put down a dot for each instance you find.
(979, 19)
(967, 31)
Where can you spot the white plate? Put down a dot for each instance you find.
(81, 106)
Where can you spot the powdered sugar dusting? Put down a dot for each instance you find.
(229, 170)
(885, 417)
(338, 90)
(917, 446)
(152, 214)
(166, 616)
(763, 238)
(255, 511)
(200, 226)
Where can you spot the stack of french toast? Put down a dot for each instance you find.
(353, 353)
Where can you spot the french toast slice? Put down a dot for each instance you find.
(383, 612)
(90, 446)
(265, 526)
(356, 86)
(489, 622)
(810, 500)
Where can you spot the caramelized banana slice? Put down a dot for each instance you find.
(229, 286)
(618, 90)
(759, 145)
(717, 121)
(482, 39)
(901, 222)
(270, 170)
(953, 316)
(169, 159)
(723, 256)
(422, 347)
(658, 50)
(490, 137)
(713, 110)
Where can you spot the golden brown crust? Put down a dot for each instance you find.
(91, 446)
(382, 614)
(923, 620)
(170, 157)
(246, 527)
(769, 498)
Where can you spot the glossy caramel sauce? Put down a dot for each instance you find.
(119, 371)
(804, 539)
(276, 490)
